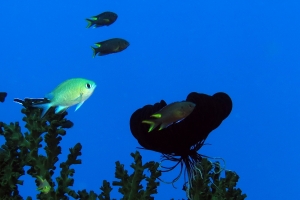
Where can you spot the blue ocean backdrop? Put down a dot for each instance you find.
(247, 49)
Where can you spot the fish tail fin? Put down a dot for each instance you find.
(90, 23)
(152, 124)
(94, 51)
(44, 106)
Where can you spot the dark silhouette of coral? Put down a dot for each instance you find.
(22, 149)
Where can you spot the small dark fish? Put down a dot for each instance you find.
(103, 19)
(106, 47)
(2, 96)
(174, 112)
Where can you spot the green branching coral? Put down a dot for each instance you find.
(11, 162)
(24, 150)
(130, 186)
(208, 183)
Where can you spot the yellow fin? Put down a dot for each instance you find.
(157, 115)
(151, 123)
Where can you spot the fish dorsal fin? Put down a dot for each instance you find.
(157, 115)
(78, 105)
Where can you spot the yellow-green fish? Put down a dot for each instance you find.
(70, 92)
(44, 186)
(174, 112)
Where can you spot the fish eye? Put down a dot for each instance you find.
(88, 86)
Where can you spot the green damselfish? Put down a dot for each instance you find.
(70, 92)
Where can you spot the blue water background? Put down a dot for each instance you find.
(248, 49)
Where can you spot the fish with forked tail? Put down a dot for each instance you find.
(110, 46)
(70, 92)
(103, 19)
(174, 112)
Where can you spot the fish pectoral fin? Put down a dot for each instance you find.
(116, 49)
(163, 125)
(60, 109)
(157, 115)
(78, 105)
(79, 98)
(106, 20)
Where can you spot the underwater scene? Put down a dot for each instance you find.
(141, 100)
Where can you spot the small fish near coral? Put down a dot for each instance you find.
(110, 46)
(172, 113)
(70, 92)
(43, 185)
(2, 96)
(103, 19)
(179, 142)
